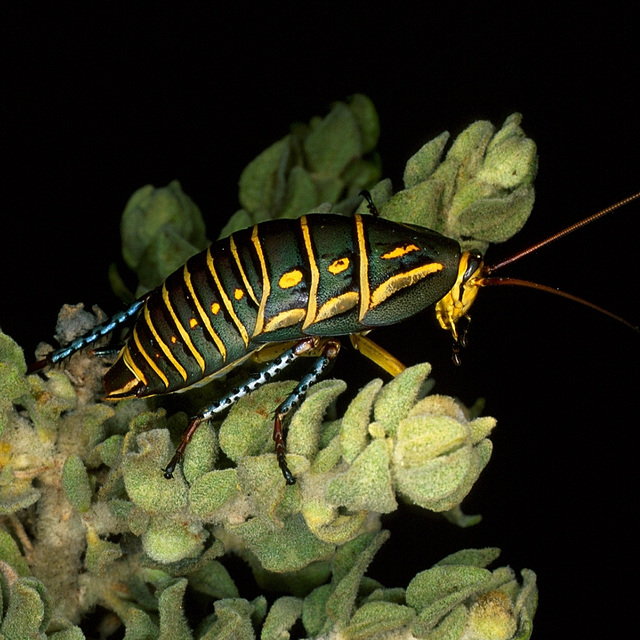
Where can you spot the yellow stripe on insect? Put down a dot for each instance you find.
(364, 268)
(243, 275)
(401, 281)
(149, 359)
(226, 301)
(284, 319)
(203, 315)
(165, 348)
(181, 330)
(131, 365)
(136, 378)
(336, 306)
(312, 305)
(266, 285)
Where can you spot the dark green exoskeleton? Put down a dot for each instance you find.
(289, 288)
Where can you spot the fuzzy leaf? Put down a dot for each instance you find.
(100, 553)
(355, 422)
(248, 428)
(212, 490)
(261, 182)
(27, 613)
(161, 228)
(287, 549)
(173, 623)
(423, 163)
(367, 482)
(168, 540)
(282, 616)
(213, 579)
(75, 483)
(337, 529)
(261, 478)
(143, 478)
(376, 618)
(350, 564)
(334, 142)
(471, 557)
(10, 553)
(480, 193)
(201, 454)
(492, 616)
(304, 429)
(233, 621)
(138, 624)
(73, 633)
(398, 396)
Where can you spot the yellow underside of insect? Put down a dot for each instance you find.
(360, 342)
(456, 304)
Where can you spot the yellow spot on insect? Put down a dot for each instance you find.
(173, 339)
(238, 294)
(398, 252)
(193, 323)
(215, 308)
(290, 279)
(338, 266)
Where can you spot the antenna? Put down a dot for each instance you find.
(483, 280)
(560, 234)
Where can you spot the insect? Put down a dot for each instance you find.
(292, 287)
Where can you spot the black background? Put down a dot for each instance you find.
(98, 103)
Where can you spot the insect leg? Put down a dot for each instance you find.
(329, 352)
(95, 334)
(370, 203)
(376, 353)
(257, 380)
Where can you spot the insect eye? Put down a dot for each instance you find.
(473, 264)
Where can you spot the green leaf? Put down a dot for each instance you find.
(27, 613)
(211, 491)
(143, 478)
(350, 564)
(289, 548)
(213, 579)
(282, 616)
(354, 433)
(75, 483)
(376, 618)
(161, 228)
(233, 621)
(367, 482)
(10, 553)
(173, 623)
(304, 429)
(398, 396)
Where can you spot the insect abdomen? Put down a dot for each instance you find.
(283, 280)
(191, 327)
